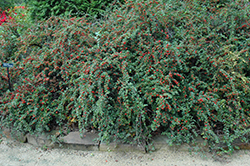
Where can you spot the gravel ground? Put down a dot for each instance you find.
(13, 153)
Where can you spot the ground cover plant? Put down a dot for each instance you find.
(179, 69)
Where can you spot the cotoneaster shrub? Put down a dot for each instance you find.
(176, 68)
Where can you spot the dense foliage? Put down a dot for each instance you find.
(177, 68)
(76, 8)
(6, 4)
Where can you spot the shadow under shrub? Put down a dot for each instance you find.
(176, 68)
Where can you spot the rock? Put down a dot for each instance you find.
(74, 141)
(14, 135)
(160, 143)
(113, 146)
(42, 139)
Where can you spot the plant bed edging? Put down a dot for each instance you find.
(13, 135)
(160, 143)
(42, 139)
(74, 141)
(119, 147)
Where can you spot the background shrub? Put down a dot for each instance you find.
(6, 4)
(76, 8)
(175, 68)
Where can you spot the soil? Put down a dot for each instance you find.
(13, 153)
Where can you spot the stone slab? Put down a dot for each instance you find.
(74, 141)
(160, 143)
(14, 135)
(236, 142)
(120, 147)
(5, 133)
(75, 138)
(81, 147)
(42, 139)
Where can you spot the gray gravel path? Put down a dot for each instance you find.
(22, 154)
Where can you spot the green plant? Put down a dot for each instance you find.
(174, 68)
(21, 15)
(44, 148)
(5, 4)
(75, 8)
(18, 22)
